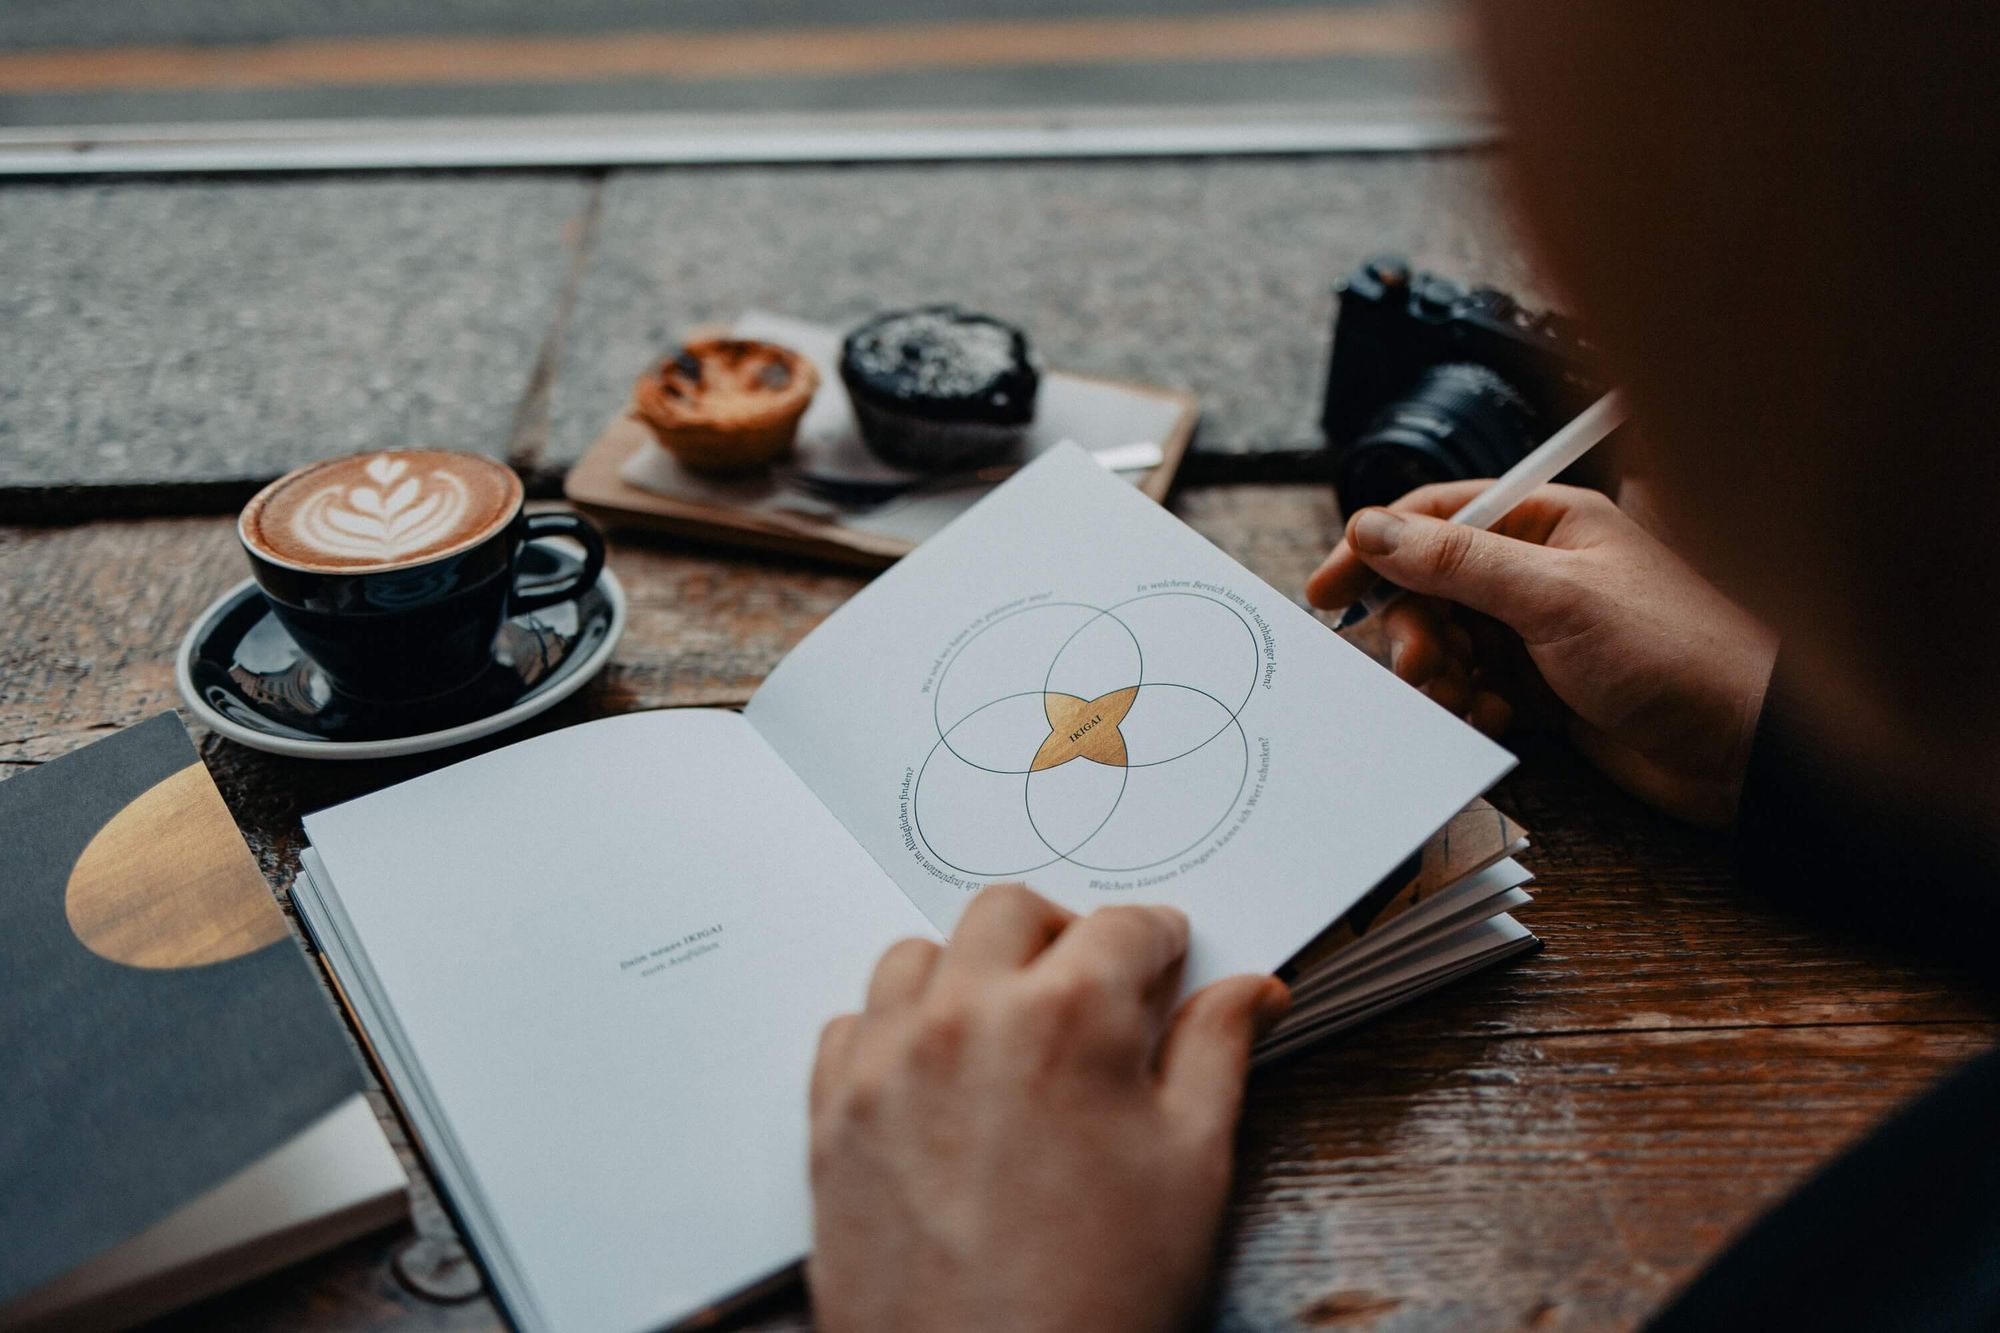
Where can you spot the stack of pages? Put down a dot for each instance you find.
(1445, 917)
(594, 965)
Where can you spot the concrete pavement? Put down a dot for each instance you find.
(172, 345)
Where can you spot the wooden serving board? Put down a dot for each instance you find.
(595, 485)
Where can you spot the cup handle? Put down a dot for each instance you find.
(577, 528)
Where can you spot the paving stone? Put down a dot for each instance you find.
(170, 345)
(1209, 275)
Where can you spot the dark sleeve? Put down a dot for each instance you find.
(1820, 835)
(1903, 1230)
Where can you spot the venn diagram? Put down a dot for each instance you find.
(1106, 737)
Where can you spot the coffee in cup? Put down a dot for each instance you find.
(380, 511)
(394, 570)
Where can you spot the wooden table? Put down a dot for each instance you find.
(1557, 1145)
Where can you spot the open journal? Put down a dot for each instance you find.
(594, 965)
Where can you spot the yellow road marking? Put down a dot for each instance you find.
(760, 53)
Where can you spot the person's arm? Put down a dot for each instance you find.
(1817, 836)
(1901, 1232)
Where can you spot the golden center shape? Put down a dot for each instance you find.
(1085, 729)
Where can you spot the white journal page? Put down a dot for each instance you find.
(610, 950)
(1072, 688)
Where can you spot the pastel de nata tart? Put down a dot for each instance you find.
(939, 388)
(726, 404)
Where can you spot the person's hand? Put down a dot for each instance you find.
(1568, 613)
(1020, 1133)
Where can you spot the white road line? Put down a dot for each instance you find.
(605, 141)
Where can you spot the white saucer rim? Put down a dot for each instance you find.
(390, 747)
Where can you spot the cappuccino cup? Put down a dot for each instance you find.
(395, 570)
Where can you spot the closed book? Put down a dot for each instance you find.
(184, 1110)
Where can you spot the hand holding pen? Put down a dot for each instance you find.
(1570, 617)
(1572, 442)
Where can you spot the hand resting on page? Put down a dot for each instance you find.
(1021, 1132)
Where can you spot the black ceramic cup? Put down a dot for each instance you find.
(397, 631)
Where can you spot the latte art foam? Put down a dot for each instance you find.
(380, 510)
(397, 516)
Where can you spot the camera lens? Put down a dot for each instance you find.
(1458, 420)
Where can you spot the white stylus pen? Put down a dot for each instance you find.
(1496, 501)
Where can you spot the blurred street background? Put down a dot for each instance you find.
(242, 234)
(87, 63)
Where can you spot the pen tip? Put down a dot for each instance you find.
(1351, 617)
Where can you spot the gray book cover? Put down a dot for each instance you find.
(160, 1029)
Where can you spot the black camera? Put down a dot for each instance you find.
(1432, 382)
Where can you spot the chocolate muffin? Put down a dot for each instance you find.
(939, 388)
(726, 404)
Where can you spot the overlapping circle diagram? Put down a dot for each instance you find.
(1107, 737)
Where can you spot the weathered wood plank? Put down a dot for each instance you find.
(1572, 1181)
(1567, 1182)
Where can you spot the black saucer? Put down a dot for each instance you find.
(243, 675)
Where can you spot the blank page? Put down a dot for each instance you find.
(608, 952)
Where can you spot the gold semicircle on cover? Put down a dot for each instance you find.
(167, 883)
